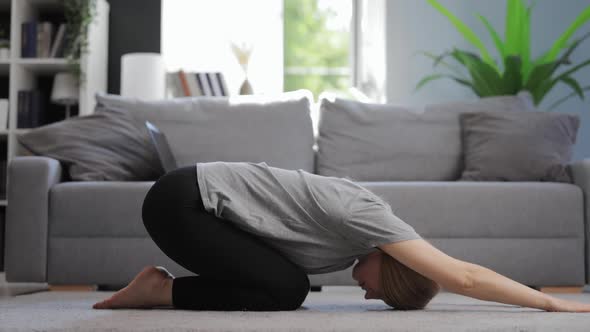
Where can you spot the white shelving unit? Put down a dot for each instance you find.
(23, 72)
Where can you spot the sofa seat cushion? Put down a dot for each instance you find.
(434, 209)
(486, 209)
(97, 209)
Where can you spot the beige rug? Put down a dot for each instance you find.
(336, 308)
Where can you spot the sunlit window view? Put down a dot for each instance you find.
(317, 37)
(295, 44)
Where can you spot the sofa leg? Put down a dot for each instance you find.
(562, 289)
(72, 288)
(316, 288)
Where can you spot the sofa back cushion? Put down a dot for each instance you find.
(374, 142)
(275, 129)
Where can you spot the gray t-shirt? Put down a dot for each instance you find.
(322, 224)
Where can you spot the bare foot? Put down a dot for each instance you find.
(151, 287)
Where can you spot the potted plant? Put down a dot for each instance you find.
(78, 16)
(517, 70)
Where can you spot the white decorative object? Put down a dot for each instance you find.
(143, 76)
(242, 53)
(65, 91)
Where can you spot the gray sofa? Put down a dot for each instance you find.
(91, 232)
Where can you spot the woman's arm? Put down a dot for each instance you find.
(491, 286)
(471, 279)
(488, 285)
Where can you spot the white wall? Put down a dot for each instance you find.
(414, 25)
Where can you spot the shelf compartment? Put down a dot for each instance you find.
(43, 65)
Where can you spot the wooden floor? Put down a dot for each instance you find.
(92, 288)
(73, 288)
(573, 289)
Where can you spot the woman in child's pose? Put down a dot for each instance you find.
(253, 233)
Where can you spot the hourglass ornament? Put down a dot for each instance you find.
(242, 53)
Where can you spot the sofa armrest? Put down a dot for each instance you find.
(29, 180)
(580, 171)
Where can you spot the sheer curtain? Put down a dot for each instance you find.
(369, 48)
(197, 36)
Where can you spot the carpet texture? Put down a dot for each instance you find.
(336, 308)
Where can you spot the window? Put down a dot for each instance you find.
(197, 36)
(317, 43)
(296, 44)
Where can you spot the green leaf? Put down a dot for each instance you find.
(495, 37)
(485, 79)
(539, 81)
(512, 77)
(439, 59)
(539, 76)
(562, 41)
(564, 58)
(574, 69)
(433, 77)
(467, 33)
(574, 85)
(513, 32)
(558, 102)
(525, 38)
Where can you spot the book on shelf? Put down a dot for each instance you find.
(199, 83)
(204, 83)
(183, 81)
(195, 84)
(30, 109)
(58, 45)
(38, 40)
(213, 81)
(222, 84)
(173, 85)
(29, 39)
(44, 34)
(3, 114)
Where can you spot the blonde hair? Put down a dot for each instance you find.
(404, 288)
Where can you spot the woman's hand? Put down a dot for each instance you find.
(568, 306)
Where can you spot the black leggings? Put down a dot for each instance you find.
(236, 270)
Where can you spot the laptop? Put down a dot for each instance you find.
(162, 147)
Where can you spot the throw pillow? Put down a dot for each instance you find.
(274, 128)
(108, 145)
(518, 146)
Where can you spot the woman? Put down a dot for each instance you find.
(253, 233)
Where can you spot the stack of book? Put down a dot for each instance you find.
(183, 84)
(38, 40)
(31, 109)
